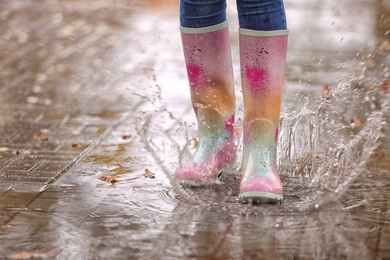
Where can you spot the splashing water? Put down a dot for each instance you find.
(331, 145)
(323, 149)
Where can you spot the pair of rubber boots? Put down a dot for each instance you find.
(209, 68)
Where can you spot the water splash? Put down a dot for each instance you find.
(330, 146)
(326, 147)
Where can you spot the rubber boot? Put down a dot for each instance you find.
(262, 60)
(209, 68)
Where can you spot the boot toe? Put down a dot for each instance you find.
(261, 188)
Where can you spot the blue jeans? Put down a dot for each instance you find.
(262, 15)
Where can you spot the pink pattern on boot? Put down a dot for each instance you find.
(258, 80)
(196, 76)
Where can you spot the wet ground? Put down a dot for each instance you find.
(95, 117)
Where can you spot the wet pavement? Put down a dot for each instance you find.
(95, 116)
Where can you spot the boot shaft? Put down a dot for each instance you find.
(262, 61)
(209, 67)
(208, 61)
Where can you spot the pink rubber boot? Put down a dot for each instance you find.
(209, 68)
(263, 58)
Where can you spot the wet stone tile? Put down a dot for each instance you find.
(4, 187)
(27, 186)
(4, 160)
(23, 178)
(56, 156)
(48, 168)
(8, 133)
(56, 192)
(385, 242)
(95, 119)
(50, 145)
(20, 165)
(29, 133)
(45, 204)
(46, 115)
(5, 216)
(94, 130)
(13, 199)
(73, 147)
(7, 114)
(60, 138)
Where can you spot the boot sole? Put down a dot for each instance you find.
(260, 197)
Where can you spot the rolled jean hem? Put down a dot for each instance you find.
(207, 29)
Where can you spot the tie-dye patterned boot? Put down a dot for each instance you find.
(209, 68)
(262, 60)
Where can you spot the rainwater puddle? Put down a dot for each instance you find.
(333, 158)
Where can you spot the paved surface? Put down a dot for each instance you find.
(76, 83)
(50, 118)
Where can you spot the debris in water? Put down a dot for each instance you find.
(36, 100)
(62, 202)
(126, 136)
(357, 122)
(384, 85)
(320, 158)
(40, 137)
(196, 142)
(30, 255)
(306, 156)
(44, 131)
(108, 179)
(6, 226)
(76, 131)
(3, 149)
(32, 100)
(326, 92)
(46, 102)
(149, 174)
(37, 89)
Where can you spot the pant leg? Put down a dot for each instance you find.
(261, 15)
(202, 13)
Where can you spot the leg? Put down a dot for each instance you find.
(261, 15)
(209, 68)
(202, 13)
(263, 46)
